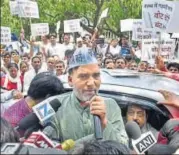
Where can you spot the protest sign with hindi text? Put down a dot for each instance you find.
(5, 35)
(139, 33)
(13, 7)
(28, 9)
(157, 14)
(39, 29)
(71, 26)
(167, 47)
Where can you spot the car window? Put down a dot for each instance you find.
(157, 113)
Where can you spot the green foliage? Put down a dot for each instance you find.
(52, 11)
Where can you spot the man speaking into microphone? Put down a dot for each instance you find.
(82, 107)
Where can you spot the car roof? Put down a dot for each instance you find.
(134, 83)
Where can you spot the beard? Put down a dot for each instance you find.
(82, 96)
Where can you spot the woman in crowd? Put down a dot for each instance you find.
(6, 57)
(24, 67)
(43, 85)
(12, 79)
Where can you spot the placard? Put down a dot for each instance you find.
(167, 47)
(175, 35)
(157, 14)
(71, 26)
(13, 7)
(28, 9)
(174, 23)
(5, 35)
(39, 29)
(139, 33)
(126, 25)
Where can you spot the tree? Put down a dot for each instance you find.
(52, 11)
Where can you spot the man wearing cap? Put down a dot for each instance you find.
(74, 119)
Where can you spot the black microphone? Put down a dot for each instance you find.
(97, 127)
(139, 142)
(31, 119)
(133, 130)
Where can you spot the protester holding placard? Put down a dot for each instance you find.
(126, 49)
(55, 48)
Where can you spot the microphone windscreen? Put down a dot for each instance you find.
(68, 144)
(55, 104)
(133, 130)
(28, 121)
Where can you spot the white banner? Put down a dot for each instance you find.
(126, 25)
(138, 32)
(167, 47)
(157, 14)
(5, 35)
(104, 14)
(13, 7)
(39, 29)
(28, 9)
(174, 24)
(175, 35)
(71, 26)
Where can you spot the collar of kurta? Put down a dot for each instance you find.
(79, 105)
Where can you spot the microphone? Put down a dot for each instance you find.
(39, 140)
(68, 144)
(133, 130)
(42, 113)
(97, 128)
(98, 132)
(140, 143)
(17, 148)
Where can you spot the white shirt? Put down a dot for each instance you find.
(28, 76)
(144, 55)
(57, 49)
(115, 50)
(102, 49)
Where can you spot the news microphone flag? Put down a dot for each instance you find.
(142, 144)
(39, 140)
(44, 111)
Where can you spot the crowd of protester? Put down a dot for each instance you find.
(31, 77)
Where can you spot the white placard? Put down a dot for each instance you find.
(39, 29)
(5, 35)
(71, 26)
(28, 9)
(126, 25)
(104, 14)
(157, 14)
(175, 35)
(13, 7)
(167, 47)
(58, 27)
(138, 32)
(174, 24)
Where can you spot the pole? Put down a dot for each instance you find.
(159, 44)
